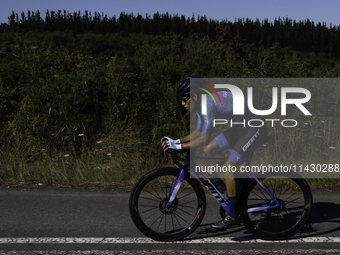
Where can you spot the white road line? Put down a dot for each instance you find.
(144, 240)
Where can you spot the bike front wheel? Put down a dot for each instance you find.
(295, 198)
(148, 202)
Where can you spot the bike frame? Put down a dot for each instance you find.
(214, 191)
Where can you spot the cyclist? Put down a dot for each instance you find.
(242, 139)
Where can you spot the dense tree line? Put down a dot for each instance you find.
(101, 91)
(57, 85)
(306, 36)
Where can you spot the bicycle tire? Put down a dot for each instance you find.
(295, 199)
(149, 197)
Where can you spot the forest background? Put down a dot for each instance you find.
(85, 99)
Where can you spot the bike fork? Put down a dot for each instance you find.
(176, 187)
(179, 181)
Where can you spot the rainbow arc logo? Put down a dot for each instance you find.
(208, 92)
(204, 98)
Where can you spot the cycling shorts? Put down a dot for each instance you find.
(243, 141)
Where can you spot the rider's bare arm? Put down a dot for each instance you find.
(196, 139)
(194, 135)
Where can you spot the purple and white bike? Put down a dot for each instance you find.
(168, 204)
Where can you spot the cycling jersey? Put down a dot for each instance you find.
(218, 111)
(241, 138)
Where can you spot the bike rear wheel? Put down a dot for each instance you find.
(294, 196)
(148, 202)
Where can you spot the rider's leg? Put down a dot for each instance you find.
(231, 188)
(239, 140)
(214, 149)
(232, 218)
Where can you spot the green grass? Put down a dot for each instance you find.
(114, 161)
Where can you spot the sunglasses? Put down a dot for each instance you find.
(184, 99)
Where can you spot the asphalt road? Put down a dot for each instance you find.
(93, 222)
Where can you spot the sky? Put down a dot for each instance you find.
(315, 10)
